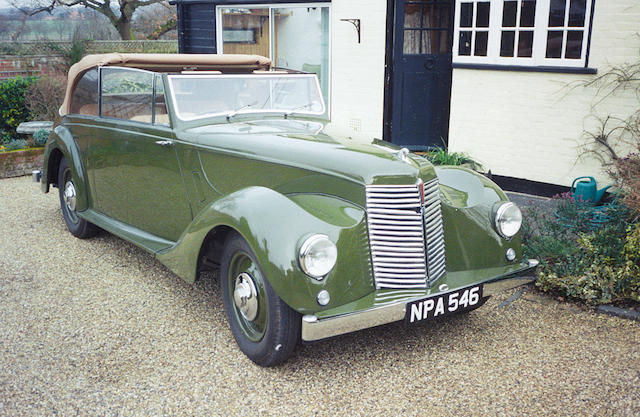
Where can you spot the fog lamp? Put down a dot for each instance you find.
(510, 255)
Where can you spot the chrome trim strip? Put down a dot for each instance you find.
(314, 328)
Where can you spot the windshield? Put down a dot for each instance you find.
(199, 96)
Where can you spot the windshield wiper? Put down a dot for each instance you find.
(295, 109)
(233, 113)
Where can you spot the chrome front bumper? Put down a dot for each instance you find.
(314, 328)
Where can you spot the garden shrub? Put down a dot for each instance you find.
(579, 258)
(6, 136)
(13, 109)
(442, 156)
(582, 258)
(627, 172)
(40, 137)
(44, 96)
(15, 144)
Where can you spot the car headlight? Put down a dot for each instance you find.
(508, 220)
(318, 256)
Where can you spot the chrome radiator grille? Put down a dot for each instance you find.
(405, 234)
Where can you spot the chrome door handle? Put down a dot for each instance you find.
(164, 142)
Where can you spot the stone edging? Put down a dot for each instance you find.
(18, 163)
(619, 312)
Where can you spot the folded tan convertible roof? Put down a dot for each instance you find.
(164, 63)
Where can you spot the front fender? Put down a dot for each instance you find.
(61, 140)
(468, 203)
(275, 225)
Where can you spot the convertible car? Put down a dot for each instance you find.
(223, 163)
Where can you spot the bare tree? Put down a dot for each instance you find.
(119, 12)
(157, 20)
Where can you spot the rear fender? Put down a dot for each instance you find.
(61, 141)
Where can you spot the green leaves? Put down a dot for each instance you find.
(13, 110)
(587, 253)
(442, 156)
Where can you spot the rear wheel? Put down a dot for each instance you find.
(67, 190)
(265, 328)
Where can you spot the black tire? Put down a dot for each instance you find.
(78, 227)
(272, 335)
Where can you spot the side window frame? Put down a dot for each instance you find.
(100, 109)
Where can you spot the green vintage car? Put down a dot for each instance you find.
(219, 162)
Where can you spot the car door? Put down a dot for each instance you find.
(135, 166)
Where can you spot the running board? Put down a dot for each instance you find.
(147, 241)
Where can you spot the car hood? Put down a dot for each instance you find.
(305, 145)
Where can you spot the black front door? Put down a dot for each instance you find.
(421, 65)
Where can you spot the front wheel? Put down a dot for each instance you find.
(265, 328)
(78, 227)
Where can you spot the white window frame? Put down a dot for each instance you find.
(540, 29)
(270, 7)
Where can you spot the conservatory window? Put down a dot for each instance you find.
(294, 37)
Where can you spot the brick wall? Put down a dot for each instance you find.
(528, 124)
(12, 66)
(15, 164)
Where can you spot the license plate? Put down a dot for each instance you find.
(464, 299)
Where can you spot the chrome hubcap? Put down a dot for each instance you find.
(245, 296)
(70, 195)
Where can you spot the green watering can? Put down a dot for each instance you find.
(585, 189)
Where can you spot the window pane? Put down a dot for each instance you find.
(411, 42)
(412, 16)
(430, 16)
(84, 99)
(528, 13)
(246, 31)
(574, 44)
(506, 43)
(482, 14)
(465, 43)
(556, 12)
(445, 42)
(127, 94)
(577, 12)
(445, 15)
(430, 41)
(308, 53)
(554, 44)
(480, 48)
(525, 44)
(466, 15)
(509, 14)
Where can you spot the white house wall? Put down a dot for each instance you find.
(357, 70)
(529, 124)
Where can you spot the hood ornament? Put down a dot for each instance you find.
(403, 155)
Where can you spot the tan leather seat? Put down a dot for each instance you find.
(89, 110)
(161, 119)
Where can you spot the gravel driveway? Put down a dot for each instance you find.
(98, 327)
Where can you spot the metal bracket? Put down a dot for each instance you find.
(354, 22)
